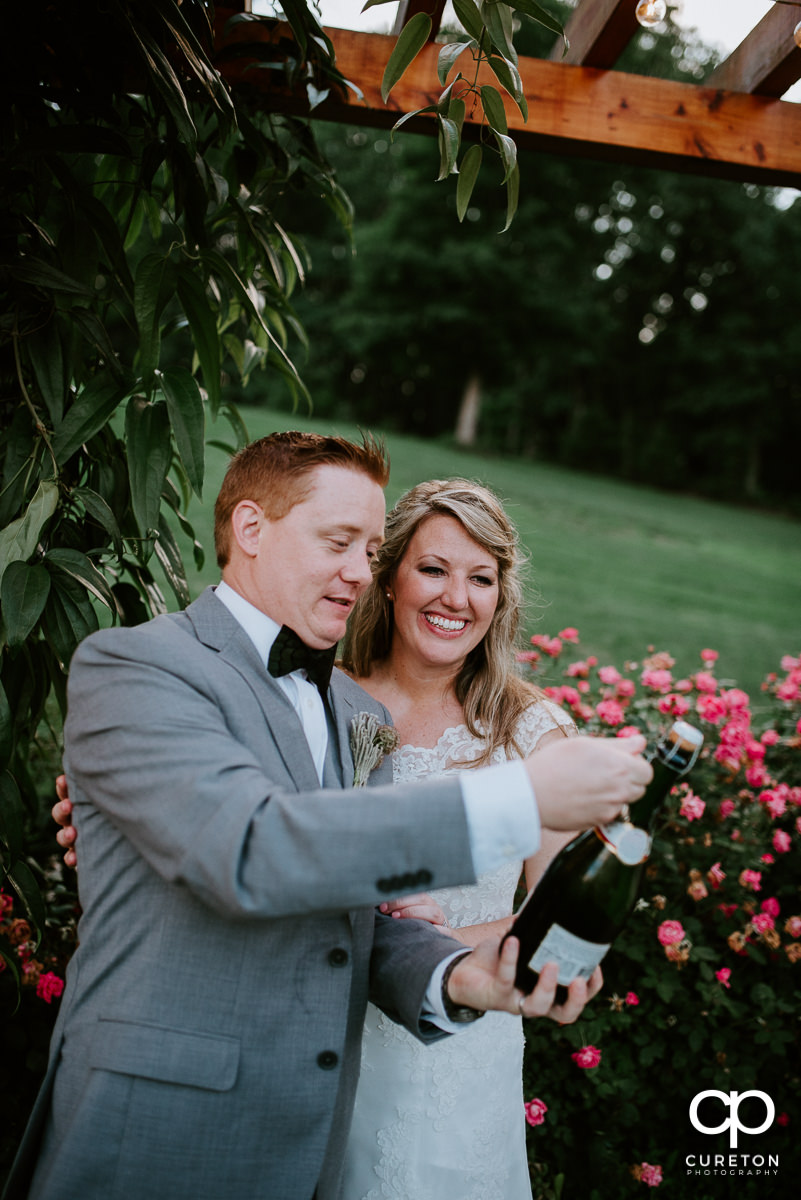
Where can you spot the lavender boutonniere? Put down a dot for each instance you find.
(369, 742)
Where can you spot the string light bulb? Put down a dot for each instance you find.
(650, 12)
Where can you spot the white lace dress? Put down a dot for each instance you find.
(445, 1121)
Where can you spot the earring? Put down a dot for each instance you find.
(389, 595)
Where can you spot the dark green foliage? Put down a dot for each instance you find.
(145, 260)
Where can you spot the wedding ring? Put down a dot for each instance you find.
(520, 1003)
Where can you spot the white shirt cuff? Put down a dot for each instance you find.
(503, 820)
(433, 1009)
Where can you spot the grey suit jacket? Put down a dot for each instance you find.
(208, 1041)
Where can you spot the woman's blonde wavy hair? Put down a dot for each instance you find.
(492, 694)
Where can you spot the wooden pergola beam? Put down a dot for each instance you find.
(598, 32)
(767, 62)
(572, 109)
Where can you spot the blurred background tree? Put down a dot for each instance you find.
(631, 322)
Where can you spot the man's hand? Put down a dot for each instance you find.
(584, 781)
(61, 811)
(485, 979)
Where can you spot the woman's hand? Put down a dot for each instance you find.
(62, 811)
(420, 907)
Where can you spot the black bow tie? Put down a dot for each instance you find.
(289, 653)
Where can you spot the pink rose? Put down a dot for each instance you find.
(535, 1112)
(632, 998)
(673, 705)
(625, 689)
(610, 712)
(771, 906)
(781, 841)
(793, 926)
(633, 731)
(710, 708)
(569, 635)
(783, 1119)
(727, 807)
(716, 875)
(549, 646)
(706, 682)
(658, 681)
(587, 1057)
(692, 807)
(723, 976)
(651, 1176)
(757, 776)
(770, 738)
(762, 922)
(709, 656)
(751, 879)
(49, 985)
(609, 675)
(670, 933)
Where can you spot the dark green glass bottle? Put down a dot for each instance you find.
(581, 903)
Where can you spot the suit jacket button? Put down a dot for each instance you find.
(327, 1060)
(338, 957)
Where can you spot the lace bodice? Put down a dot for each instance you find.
(445, 1121)
(493, 895)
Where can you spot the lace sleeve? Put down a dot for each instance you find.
(540, 718)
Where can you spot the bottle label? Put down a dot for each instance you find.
(576, 957)
(631, 844)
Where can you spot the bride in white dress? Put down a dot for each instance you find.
(433, 639)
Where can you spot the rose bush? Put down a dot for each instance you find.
(702, 988)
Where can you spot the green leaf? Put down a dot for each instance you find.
(154, 284)
(508, 151)
(147, 433)
(22, 881)
(498, 20)
(97, 508)
(97, 335)
(468, 13)
(429, 108)
(46, 357)
(10, 815)
(203, 325)
(6, 728)
(508, 76)
(468, 173)
(448, 146)
(447, 57)
(23, 595)
(68, 617)
(36, 271)
(167, 83)
(169, 556)
(83, 570)
(188, 419)
(411, 40)
(493, 108)
(19, 539)
(512, 197)
(374, 3)
(456, 112)
(540, 15)
(89, 413)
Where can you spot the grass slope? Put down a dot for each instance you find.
(630, 567)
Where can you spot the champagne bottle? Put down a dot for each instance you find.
(574, 913)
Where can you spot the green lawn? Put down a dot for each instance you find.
(628, 566)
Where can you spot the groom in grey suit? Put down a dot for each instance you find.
(207, 1046)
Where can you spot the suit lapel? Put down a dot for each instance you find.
(216, 628)
(342, 713)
